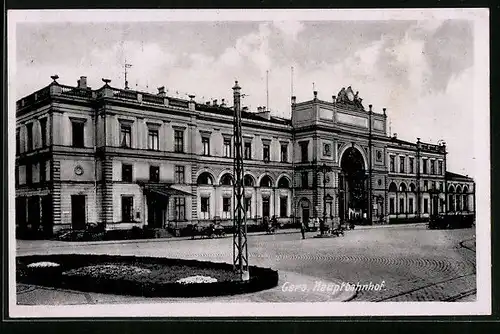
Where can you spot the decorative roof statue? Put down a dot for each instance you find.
(347, 96)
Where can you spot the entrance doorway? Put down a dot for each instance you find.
(34, 213)
(156, 209)
(47, 216)
(266, 208)
(305, 211)
(78, 212)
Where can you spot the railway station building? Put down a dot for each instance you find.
(127, 158)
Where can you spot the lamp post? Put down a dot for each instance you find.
(324, 169)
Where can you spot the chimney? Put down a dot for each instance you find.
(215, 103)
(82, 83)
(259, 109)
(395, 135)
(334, 98)
(294, 99)
(370, 107)
(315, 94)
(207, 103)
(245, 109)
(223, 103)
(264, 108)
(384, 109)
(191, 103)
(236, 96)
(161, 91)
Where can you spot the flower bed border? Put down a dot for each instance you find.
(260, 278)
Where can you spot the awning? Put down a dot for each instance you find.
(164, 190)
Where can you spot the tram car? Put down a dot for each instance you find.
(451, 220)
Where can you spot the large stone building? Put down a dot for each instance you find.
(127, 158)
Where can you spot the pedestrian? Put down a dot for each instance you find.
(303, 230)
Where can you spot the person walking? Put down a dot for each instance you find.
(303, 230)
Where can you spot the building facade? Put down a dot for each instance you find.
(126, 158)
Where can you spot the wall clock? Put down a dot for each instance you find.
(78, 170)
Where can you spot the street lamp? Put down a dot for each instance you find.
(324, 169)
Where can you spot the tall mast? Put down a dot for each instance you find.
(240, 250)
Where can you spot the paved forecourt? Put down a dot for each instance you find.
(397, 263)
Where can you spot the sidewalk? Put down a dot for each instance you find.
(278, 232)
(292, 288)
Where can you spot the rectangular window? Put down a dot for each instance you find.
(227, 147)
(179, 208)
(284, 152)
(179, 141)
(424, 166)
(126, 172)
(391, 205)
(248, 150)
(127, 208)
(29, 175)
(153, 140)
(205, 141)
(411, 164)
(43, 171)
(433, 167)
(17, 176)
(265, 152)
(226, 207)
(78, 132)
(304, 152)
(401, 164)
(43, 132)
(248, 206)
(205, 207)
(392, 163)
(305, 180)
(126, 136)
(410, 205)
(440, 167)
(426, 205)
(283, 206)
(154, 173)
(426, 185)
(179, 174)
(401, 205)
(18, 141)
(29, 131)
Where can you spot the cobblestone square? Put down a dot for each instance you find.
(411, 263)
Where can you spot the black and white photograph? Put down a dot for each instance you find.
(169, 163)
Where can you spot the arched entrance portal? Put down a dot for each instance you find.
(353, 199)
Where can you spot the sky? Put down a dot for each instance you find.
(422, 71)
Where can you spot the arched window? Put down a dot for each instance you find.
(266, 182)
(393, 187)
(283, 182)
(412, 187)
(226, 180)
(402, 187)
(205, 178)
(248, 181)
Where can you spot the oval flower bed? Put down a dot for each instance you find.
(143, 276)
